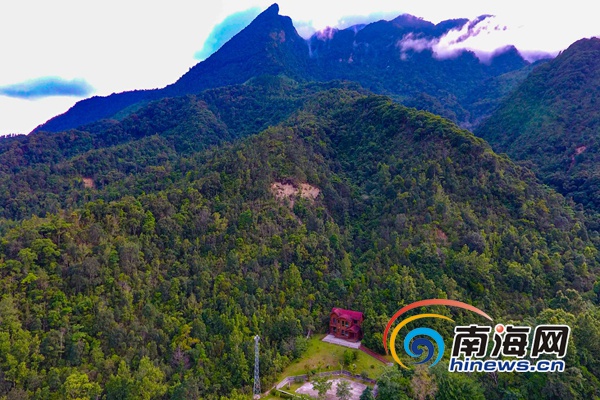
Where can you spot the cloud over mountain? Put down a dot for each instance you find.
(486, 36)
(454, 41)
(46, 87)
(225, 30)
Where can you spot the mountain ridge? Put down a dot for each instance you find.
(271, 45)
(552, 122)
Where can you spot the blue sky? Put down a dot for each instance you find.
(55, 53)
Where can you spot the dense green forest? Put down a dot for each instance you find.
(138, 257)
(41, 172)
(552, 122)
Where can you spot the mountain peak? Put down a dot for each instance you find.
(271, 14)
(409, 21)
(269, 45)
(272, 10)
(585, 44)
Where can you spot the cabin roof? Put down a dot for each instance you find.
(347, 314)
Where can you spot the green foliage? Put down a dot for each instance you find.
(551, 123)
(78, 387)
(393, 384)
(367, 394)
(423, 384)
(153, 283)
(455, 386)
(349, 356)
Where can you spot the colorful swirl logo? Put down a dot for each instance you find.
(418, 338)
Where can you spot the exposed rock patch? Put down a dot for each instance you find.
(88, 183)
(580, 150)
(290, 191)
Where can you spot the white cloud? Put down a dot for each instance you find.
(409, 42)
(482, 35)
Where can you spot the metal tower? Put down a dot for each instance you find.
(256, 371)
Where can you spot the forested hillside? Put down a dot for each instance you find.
(42, 172)
(139, 257)
(552, 121)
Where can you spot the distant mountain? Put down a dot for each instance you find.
(377, 58)
(371, 55)
(270, 45)
(552, 121)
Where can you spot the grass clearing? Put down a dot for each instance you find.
(321, 356)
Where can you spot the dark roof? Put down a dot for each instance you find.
(347, 314)
(354, 328)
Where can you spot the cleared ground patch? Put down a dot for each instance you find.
(287, 190)
(356, 389)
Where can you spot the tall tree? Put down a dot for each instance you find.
(367, 394)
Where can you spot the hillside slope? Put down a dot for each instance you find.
(43, 171)
(155, 283)
(552, 121)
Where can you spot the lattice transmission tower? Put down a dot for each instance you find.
(256, 369)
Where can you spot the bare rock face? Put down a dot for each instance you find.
(289, 191)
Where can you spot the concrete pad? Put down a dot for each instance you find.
(341, 342)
